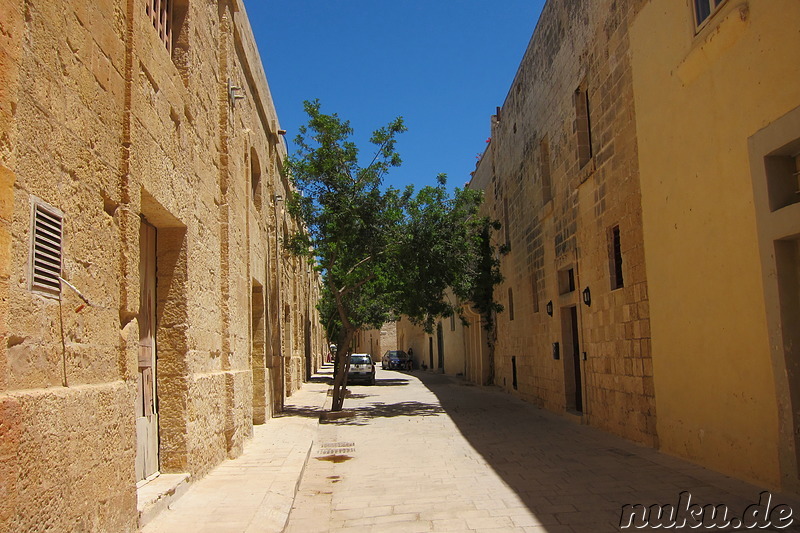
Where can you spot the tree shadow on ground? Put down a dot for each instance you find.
(362, 416)
(305, 412)
(352, 396)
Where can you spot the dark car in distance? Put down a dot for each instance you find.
(396, 360)
(362, 368)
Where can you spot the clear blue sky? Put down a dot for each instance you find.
(443, 65)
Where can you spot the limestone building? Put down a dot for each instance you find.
(148, 314)
(376, 341)
(644, 167)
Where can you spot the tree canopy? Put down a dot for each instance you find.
(383, 252)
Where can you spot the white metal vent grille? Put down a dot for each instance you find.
(46, 250)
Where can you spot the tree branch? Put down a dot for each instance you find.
(344, 291)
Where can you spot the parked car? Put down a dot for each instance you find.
(362, 368)
(396, 360)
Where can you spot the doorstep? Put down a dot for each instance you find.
(157, 493)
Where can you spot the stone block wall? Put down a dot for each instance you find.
(109, 125)
(560, 173)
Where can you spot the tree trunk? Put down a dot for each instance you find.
(342, 368)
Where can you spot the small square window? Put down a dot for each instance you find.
(566, 281)
(783, 176)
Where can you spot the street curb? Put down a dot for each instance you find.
(305, 462)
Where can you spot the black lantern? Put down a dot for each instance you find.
(549, 308)
(587, 297)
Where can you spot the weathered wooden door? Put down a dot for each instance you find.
(146, 405)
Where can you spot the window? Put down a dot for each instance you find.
(452, 322)
(514, 371)
(255, 178)
(169, 21)
(544, 168)
(566, 281)
(160, 13)
(510, 304)
(506, 229)
(46, 249)
(583, 129)
(703, 9)
(783, 176)
(535, 289)
(615, 258)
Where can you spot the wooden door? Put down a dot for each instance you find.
(146, 405)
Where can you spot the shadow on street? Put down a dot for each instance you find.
(574, 475)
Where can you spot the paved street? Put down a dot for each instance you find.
(426, 452)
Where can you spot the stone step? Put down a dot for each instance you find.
(156, 494)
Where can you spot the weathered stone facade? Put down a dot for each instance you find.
(561, 175)
(130, 136)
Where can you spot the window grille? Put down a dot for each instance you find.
(46, 250)
(160, 13)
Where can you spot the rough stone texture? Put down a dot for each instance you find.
(99, 120)
(557, 214)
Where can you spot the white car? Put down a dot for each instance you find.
(362, 368)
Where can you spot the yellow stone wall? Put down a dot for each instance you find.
(700, 96)
(578, 49)
(102, 122)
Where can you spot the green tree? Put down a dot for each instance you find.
(382, 252)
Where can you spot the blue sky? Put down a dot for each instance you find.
(443, 65)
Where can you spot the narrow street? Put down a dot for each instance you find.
(426, 452)
(422, 452)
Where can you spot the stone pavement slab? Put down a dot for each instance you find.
(254, 492)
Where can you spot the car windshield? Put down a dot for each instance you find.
(360, 360)
(398, 355)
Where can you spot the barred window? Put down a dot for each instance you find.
(160, 13)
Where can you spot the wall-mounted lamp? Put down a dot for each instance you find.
(549, 308)
(587, 297)
(281, 132)
(278, 198)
